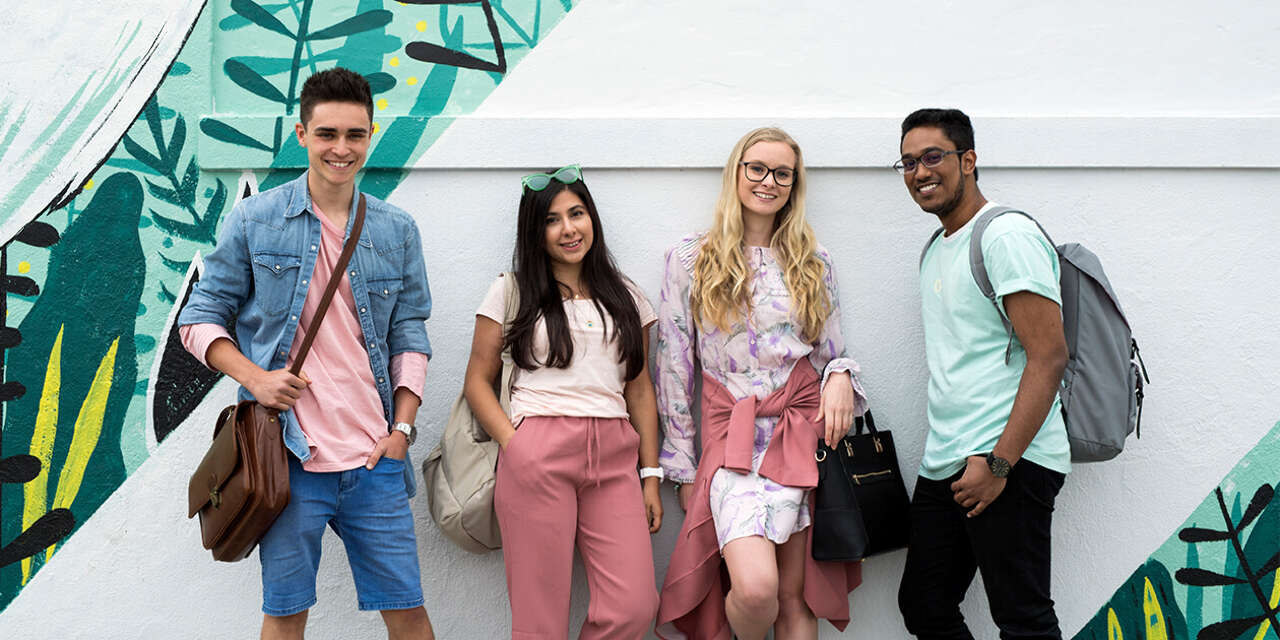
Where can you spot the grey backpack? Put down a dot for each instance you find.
(1102, 384)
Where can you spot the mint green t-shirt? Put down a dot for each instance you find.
(971, 389)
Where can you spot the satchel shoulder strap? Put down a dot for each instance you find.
(511, 300)
(511, 307)
(335, 279)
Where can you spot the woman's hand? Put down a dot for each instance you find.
(505, 437)
(685, 495)
(652, 503)
(835, 409)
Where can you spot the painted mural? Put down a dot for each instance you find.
(1218, 577)
(121, 186)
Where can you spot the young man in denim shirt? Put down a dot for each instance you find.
(348, 416)
(997, 451)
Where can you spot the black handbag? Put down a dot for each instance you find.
(861, 506)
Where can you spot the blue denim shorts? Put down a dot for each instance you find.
(369, 510)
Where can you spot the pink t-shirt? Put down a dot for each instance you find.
(340, 412)
(591, 386)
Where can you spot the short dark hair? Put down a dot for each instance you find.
(334, 85)
(954, 124)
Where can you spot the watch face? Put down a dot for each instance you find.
(999, 466)
(410, 431)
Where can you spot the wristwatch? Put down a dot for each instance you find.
(999, 467)
(651, 472)
(410, 432)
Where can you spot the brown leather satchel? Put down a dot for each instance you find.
(242, 485)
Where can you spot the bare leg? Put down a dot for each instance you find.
(284, 627)
(795, 620)
(408, 624)
(752, 603)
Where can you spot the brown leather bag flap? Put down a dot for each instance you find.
(218, 464)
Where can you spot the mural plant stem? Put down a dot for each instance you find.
(1262, 497)
(1231, 627)
(303, 22)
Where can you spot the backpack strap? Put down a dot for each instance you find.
(925, 250)
(977, 264)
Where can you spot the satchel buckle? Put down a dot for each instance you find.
(820, 455)
(848, 448)
(879, 449)
(215, 497)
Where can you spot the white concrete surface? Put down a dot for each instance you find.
(1189, 242)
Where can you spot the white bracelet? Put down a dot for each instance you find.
(651, 472)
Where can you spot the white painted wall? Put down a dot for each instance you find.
(1187, 238)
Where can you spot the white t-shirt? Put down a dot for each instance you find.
(591, 386)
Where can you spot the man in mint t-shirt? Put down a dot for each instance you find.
(997, 450)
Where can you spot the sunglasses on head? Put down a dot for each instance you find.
(539, 181)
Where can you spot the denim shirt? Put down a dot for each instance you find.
(259, 274)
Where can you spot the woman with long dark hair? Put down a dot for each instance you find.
(583, 410)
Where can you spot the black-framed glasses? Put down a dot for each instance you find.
(539, 181)
(929, 159)
(757, 172)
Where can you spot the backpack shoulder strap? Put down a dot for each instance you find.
(978, 266)
(928, 244)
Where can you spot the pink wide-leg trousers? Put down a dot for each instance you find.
(563, 480)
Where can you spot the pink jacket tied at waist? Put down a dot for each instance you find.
(694, 589)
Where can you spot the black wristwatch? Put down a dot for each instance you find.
(999, 467)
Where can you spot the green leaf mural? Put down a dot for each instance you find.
(88, 304)
(257, 14)
(1261, 555)
(229, 103)
(1143, 607)
(1195, 597)
(1232, 551)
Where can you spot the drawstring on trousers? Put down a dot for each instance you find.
(593, 449)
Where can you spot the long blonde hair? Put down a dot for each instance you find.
(721, 289)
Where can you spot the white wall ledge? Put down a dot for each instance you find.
(859, 142)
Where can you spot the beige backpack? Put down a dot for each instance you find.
(459, 472)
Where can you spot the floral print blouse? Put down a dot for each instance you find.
(753, 359)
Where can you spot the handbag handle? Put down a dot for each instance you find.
(867, 420)
(870, 422)
(334, 280)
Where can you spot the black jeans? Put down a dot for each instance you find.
(1009, 542)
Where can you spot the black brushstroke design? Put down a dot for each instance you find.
(434, 53)
(50, 528)
(54, 525)
(1232, 628)
(19, 469)
(71, 190)
(181, 382)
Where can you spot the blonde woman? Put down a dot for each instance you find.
(754, 301)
